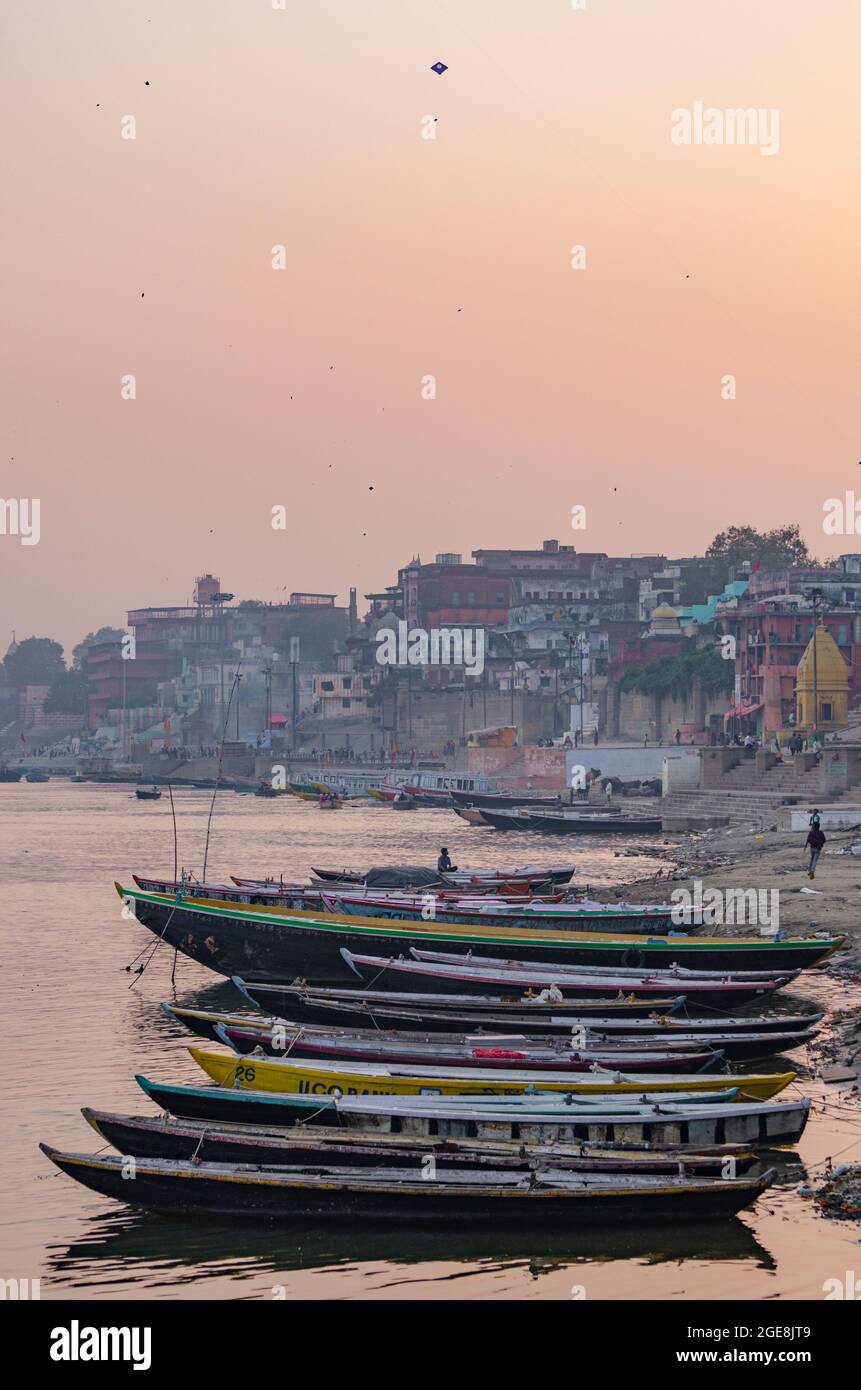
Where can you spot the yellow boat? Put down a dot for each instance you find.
(359, 1079)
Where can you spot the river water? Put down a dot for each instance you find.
(80, 1027)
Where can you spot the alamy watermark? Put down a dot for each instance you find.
(713, 125)
(20, 516)
(716, 907)
(77, 1343)
(440, 646)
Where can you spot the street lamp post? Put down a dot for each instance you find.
(816, 596)
(267, 673)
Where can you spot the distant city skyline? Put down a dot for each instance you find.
(536, 309)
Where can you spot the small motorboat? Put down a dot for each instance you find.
(147, 794)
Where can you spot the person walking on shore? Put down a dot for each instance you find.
(815, 842)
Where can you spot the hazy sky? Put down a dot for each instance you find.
(408, 257)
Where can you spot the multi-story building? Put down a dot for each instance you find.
(342, 693)
(771, 637)
(118, 682)
(449, 593)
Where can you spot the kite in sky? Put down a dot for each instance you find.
(439, 68)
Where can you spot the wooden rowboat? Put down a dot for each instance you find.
(570, 916)
(274, 943)
(662, 1122)
(245, 1032)
(355, 1078)
(507, 1054)
(156, 1136)
(317, 1004)
(390, 1194)
(673, 974)
(473, 976)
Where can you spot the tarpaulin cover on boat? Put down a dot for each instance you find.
(402, 876)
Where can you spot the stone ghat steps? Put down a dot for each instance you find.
(746, 777)
(698, 809)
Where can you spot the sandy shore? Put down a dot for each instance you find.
(741, 858)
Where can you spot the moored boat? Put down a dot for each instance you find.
(491, 1054)
(660, 1122)
(389, 1194)
(582, 915)
(476, 977)
(157, 1136)
(670, 974)
(485, 1014)
(318, 1004)
(526, 874)
(571, 823)
(245, 1032)
(272, 942)
(311, 1077)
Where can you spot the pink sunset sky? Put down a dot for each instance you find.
(408, 257)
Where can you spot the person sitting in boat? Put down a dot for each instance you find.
(444, 864)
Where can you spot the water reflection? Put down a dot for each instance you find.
(117, 1249)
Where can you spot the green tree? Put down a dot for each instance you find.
(674, 676)
(780, 548)
(68, 694)
(776, 549)
(35, 661)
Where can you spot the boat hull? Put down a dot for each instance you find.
(470, 978)
(637, 922)
(288, 1041)
(148, 1136)
(263, 943)
(764, 1126)
(585, 824)
(435, 1012)
(225, 1190)
(244, 1033)
(316, 1078)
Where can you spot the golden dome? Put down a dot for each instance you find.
(832, 673)
(664, 610)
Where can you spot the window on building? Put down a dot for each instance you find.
(827, 710)
(455, 597)
(327, 685)
(841, 635)
(345, 704)
(470, 598)
(347, 682)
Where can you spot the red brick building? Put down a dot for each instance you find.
(770, 641)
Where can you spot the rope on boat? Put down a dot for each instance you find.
(309, 1119)
(389, 962)
(158, 942)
